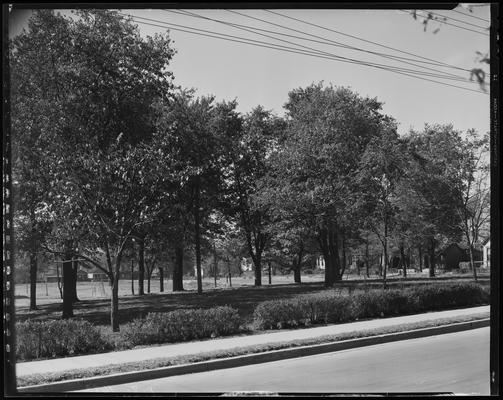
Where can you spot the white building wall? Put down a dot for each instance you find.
(320, 262)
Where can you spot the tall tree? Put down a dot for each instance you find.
(247, 158)
(381, 168)
(92, 81)
(474, 203)
(191, 126)
(434, 180)
(328, 130)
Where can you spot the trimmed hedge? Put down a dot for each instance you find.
(302, 311)
(181, 325)
(332, 308)
(59, 338)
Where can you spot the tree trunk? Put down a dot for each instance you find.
(269, 268)
(333, 246)
(67, 285)
(296, 268)
(114, 309)
(141, 266)
(367, 266)
(432, 257)
(132, 276)
(472, 263)
(197, 238)
(257, 262)
(59, 281)
(385, 255)
(229, 272)
(330, 249)
(420, 251)
(296, 274)
(33, 280)
(149, 276)
(75, 279)
(161, 279)
(344, 260)
(402, 260)
(324, 247)
(215, 264)
(178, 269)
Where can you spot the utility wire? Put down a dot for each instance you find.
(335, 43)
(473, 16)
(457, 20)
(439, 73)
(368, 41)
(283, 48)
(326, 41)
(447, 23)
(318, 52)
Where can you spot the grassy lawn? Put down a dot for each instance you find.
(243, 295)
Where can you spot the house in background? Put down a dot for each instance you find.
(453, 254)
(246, 264)
(486, 253)
(320, 262)
(82, 275)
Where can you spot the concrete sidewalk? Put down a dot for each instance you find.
(190, 348)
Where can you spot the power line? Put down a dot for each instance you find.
(326, 41)
(368, 41)
(302, 52)
(439, 74)
(473, 16)
(318, 52)
(457, 20)
(447, 23)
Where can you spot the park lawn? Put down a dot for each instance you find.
(243, 298)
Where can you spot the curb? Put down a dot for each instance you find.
(238, 361)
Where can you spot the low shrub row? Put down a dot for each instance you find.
(59, 338)
(181, 325)
(333, 308)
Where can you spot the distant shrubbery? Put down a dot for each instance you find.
(331, 308)
(70, 337)
(59, 338)
(181, 325)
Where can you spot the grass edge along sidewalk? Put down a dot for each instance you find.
(77, 379)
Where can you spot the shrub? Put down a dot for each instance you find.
(181, 325)
(332, 307)
(58, 338)
(432, 297)
(279, 314)
(308, 309)
(326, 308)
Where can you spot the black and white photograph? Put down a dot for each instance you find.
(251, 199)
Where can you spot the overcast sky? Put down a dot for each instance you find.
(255, 75)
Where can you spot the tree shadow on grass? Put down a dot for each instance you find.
(244, 299)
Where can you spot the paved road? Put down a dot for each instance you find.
(457, 362)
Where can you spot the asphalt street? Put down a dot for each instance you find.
(456, 362)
